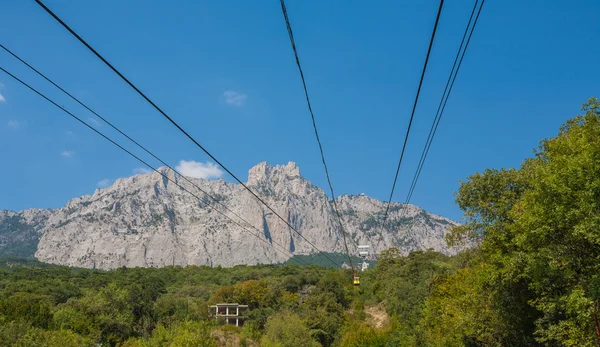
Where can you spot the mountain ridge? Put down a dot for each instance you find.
(146, 220)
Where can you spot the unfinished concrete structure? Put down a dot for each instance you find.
(232, 313)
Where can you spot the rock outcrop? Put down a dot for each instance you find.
(147, 220)
(21, 231)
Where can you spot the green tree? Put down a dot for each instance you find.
(105, 315)
(33, 308)
(254, 293)
(286, 329)
(181, 334)
(404, 282)
(10, 332)
(36, 337)
(186, 334)
(360, 335)
(173, 307)
(538, 226)
(322, 309)
(461, 309)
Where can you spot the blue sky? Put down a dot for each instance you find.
(225, 71)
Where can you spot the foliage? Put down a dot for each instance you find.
(106, 315)
(145, 307)
(460, 309)
(36, 337)
(537, 227)
(404, 282)
(183, 334)
(17, 238)
(286, 329)
(32, 308)
(364, 335)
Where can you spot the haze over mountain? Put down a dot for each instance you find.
(147, 221)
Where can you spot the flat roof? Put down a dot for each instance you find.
(225, 304)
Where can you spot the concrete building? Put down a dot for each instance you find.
(231, 312)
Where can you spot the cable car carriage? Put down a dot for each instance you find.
(363, 252)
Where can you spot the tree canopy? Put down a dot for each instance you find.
(538, 231)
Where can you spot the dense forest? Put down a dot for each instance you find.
(532, 279)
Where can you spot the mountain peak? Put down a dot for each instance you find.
(263, 172)
(291, 169)
(146, 220)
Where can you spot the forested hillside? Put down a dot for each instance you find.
(533, 280)
(289, 305)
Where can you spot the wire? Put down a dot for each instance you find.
(137, 158)
(445, 96)
(128, 137)
(312, 116)
(178, 126)
(443, 101)
(412, 115)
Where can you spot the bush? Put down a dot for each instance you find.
(286, 329)
(363, 335)
(36, 337)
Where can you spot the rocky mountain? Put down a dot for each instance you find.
(21, 231)
(147, 220)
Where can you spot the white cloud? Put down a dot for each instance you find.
(141, 171)
(13, 124)
(69, 133)
(104, 183)
(235, 98)
(67, 153)
(2, 99)
(94, 121)
(199, 170)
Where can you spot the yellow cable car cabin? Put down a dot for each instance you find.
(356, 280)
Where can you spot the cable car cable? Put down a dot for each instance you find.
(127, 136)
(312, 116)
(437, 19)
(164, 114)
(436, 122)
(444, 99)
(134, 156)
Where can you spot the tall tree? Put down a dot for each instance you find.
(539, 226)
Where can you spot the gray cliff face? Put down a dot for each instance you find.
(145, 220)
(21, 231)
